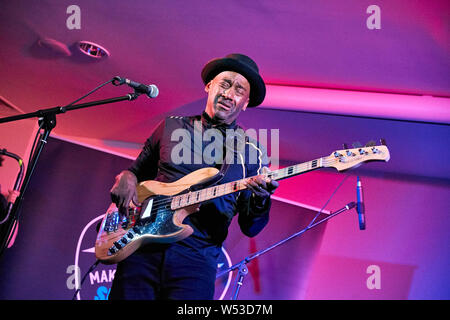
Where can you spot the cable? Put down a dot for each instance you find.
(38, 135)
(34, 142)
(89, 93)
(329, 199)
(39, 139)
(84, 277)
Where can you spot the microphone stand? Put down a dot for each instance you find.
(46, 121)
(242, 265)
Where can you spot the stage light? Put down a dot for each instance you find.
(92, 49)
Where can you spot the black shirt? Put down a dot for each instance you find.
(164, 158)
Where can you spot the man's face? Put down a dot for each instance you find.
(228, 95)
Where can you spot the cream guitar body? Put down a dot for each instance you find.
(152, 221)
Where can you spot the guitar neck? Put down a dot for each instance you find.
(296, 169)
(195, 197)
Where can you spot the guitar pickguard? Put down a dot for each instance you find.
(153, 218)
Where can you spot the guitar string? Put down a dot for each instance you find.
(164, 202)
(170, 199)
(159, 204)
(326, 161)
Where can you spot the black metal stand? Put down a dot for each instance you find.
(46, 121)
(242, 265)
(4, 226)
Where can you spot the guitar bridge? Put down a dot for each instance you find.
(114, 220)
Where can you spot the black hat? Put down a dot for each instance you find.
(243, 65)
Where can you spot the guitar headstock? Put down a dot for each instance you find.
(348, 158)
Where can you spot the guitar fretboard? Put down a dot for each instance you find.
(195, 197)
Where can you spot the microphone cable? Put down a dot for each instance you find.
(84, 278)
(329, 199)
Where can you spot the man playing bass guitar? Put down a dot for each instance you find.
(186, 269)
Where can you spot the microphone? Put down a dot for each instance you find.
(150, 90)
(360, 208)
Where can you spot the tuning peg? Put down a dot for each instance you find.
(356, 144)
(383, 141)
(371, 143)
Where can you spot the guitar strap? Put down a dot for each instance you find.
(236, 143)
(214, 180)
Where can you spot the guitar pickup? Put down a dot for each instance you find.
(112, 222)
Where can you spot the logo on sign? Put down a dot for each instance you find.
(97, 283)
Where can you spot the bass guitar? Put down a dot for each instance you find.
(163, 206)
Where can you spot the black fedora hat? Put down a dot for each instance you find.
(243, 65)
